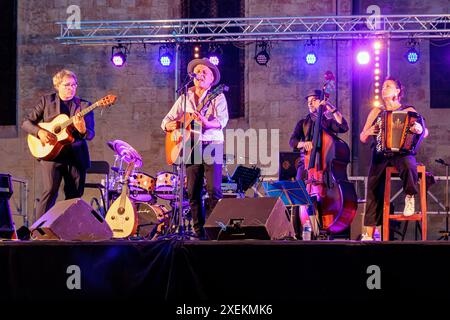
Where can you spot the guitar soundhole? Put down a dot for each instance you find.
(57, 129)
(121, 210)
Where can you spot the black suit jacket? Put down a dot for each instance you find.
(304, 129)
(48, 108)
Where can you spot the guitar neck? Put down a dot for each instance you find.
(83, 112)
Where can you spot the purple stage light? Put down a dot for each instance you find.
(363, 57)
(214, 60)
(118, 59)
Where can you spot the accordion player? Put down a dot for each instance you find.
(394, 134)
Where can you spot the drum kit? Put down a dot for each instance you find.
(156, 198)
(154, 219)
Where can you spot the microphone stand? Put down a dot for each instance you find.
(445, 233)
(178, 212)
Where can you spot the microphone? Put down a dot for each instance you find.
(194, 76)
(441, 162)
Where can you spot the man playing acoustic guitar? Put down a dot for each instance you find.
(73, 159)
(213, 117)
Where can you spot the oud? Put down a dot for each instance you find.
(122, 216)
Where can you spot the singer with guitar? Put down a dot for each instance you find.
(211, 114)
(73, 160)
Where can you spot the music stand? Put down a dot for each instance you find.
(245, 177)
(292, 193)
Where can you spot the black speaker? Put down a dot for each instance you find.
(249, 218)
(6, 188)
(72, 219)
(7, 227)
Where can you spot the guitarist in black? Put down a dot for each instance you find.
(208, 163)
(73, 160)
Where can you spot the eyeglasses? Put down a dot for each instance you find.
(67, 85)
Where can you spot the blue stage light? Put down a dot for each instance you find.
(412, 55)
(311, 58)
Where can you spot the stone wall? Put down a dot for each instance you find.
(273, 94)
(144, 88)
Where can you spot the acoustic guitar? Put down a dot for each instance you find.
(62, 127)
(122, 215)
(174, 139)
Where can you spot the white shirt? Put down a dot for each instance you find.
(217, 109)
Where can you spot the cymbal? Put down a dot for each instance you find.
(111, 145)
(127, 153)
(117, 169)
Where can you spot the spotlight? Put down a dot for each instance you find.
(214, 60)
(377, 45)
(363, 57)
(165, 58)
(412, 55)
(262, 57)
(119, 55)
(197, 51)
(311, 58)
(214, 54)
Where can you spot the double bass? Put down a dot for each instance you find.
(333, 195)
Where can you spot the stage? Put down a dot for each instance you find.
(181, 273)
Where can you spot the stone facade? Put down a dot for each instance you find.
(273, 94)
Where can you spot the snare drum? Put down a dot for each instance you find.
(142, 187)
(151, 218)
(166, 183)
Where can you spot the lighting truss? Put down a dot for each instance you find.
(256, 29)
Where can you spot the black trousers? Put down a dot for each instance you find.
(211, 169)
(74, 176)
(407, 168)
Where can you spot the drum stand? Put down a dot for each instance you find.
(445, 233)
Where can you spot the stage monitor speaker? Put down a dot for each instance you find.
(7, 228)
(72, 219)
(249, 218)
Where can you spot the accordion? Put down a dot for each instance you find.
(394, 135)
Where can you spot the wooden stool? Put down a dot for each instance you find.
(418, 216)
